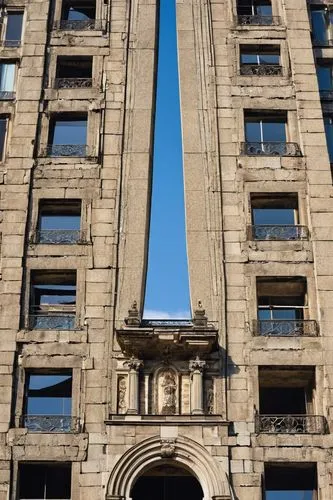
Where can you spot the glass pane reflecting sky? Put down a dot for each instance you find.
(167, 289)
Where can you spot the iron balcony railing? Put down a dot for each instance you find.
(326, 95)
(73, 83)
(270, 149)
(290, 424)
(79, 25)
(275, 232)
(257, 20)
(317, 42)
(59, 237)
(74, 150)
(52, 317)
(50, 423)
(150, 323)
(7, 95)
(260, 69)
(286, 327)
(11, 43)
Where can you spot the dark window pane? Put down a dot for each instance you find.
(69, 132)
(329, 136)
(252, 131)
(249, 59)
(274, 131)
(78, 12)
(58, 483)
(269, 58)
(324, 74)
(282, 400)
(14, 26)
(60, 222)
(273, 216)
(49, 394)
(3, 128)
(32, 479)
(263, 10)
(319, 24)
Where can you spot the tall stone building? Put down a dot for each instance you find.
(96, 403)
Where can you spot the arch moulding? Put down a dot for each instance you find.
(180, 451)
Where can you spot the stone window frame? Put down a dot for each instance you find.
(101, 11)
(93, 126)
(275, 13)
(12, 8)
(97, 63)
(80, 290)
(44, 363)
(284, 57)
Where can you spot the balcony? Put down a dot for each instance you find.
(67, 150)
(260, 70)
(50, 423)
(73, 83)
(154, 338)
(257, 20)
(317, 42)
(290, 424)
(59, 237)
(277, 232)
(326, 95)
(270, 149)
(285, 328)
(79, 25)
(52, 317)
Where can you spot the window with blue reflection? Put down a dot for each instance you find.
(68, 130)
(324, 75)
(49, 394)
(328, 123)
(7, 77)
(281, 298)
(78, 11)
(254, 8)
(320, 19)
(290, 482)
(265, 128)
(14, 24)
(59, 221)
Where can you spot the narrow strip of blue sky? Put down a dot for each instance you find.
(167, 288)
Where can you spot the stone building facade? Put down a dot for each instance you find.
(94, 401)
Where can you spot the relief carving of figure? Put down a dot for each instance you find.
(169, 393)
(122, 406)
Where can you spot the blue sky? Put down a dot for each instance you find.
(167, 289)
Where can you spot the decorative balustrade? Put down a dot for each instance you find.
(165, 323)
(52, 317)
(270, 149)
(326, 95)
(74, 150)
(59, 237)
(73, 83)
(50, 423)
(260, 69)
(79, 25)
(290, 424)
(7, 95)
(285, 327)
(257, 19)
(272, 232)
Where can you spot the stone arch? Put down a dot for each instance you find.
(180, 451)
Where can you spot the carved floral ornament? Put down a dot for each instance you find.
(197, 365)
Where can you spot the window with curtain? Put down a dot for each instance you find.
(7, 77)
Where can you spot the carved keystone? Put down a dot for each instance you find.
(168, 448)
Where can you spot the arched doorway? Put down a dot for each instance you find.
(166, 482)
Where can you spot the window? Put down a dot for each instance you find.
(7, 80)
(68, 135)
(45, 481)
(321, 19)
(13, 29)
(78, 15)
(3, 134)
(324, 75)
(292, 481)
(53, 300)
(328, 123)
(254, 12)
(286, 402)
(260, 60)
(59, 222)
(282, 307)
(48, 402)
(275, 217)
(74, 72)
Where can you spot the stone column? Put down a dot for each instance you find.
(196, 367)
(133, 386)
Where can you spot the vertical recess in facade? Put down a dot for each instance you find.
(167, 287)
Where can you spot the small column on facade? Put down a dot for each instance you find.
(133, 386)
(197, 367)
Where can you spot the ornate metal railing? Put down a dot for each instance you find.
(83, 25)
(286, 327)
(50, 423)
(290, 424)
(326, 95)
(166, 322)
(59, 236)
(322, 43)
(75, 150)
(6, 95)
(278, 232)
(260, 69)
(270, 149)
(73, 83)
(55, 317)
(256, 19)
(11, 43)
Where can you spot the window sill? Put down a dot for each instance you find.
(52, 336)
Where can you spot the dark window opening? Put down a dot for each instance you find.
(7, 79)
(13, 33)
(292, 481)
(3, 134)
(281, 298)
(325, 75)
(45, 481)
(78, 11)
(74, 72)
(321, 20)
(254, 8)
(68, 135)
(260, 60)
(59, 222)
(53, 300)
(48, 401)
(328, 123)
(275, 217)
